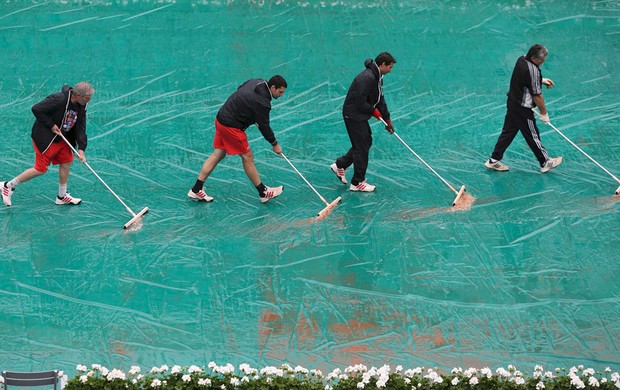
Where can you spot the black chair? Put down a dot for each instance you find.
(30, 379)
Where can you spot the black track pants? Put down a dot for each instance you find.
(361, 141)
(520, 118)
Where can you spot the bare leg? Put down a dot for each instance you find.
(210, 163)
(63, 173)
(250, 168)
(28, 174)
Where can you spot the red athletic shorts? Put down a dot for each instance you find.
(231, 139)
(57, 153)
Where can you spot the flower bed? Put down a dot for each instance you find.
(355, 377)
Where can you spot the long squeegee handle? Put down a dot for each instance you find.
(98, 177)
(302, 176)
(421, 160)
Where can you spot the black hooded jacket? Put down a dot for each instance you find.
(57, 109)
(249, 105)
(365, 94)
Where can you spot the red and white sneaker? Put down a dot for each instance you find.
(362, 187)
(340, 174)
(271, 192)
(6, 193)
(68, 199)
(200, 196)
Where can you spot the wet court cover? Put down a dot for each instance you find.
(527, 274)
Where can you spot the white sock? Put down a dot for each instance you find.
(62, 190)
(12, 184)
(493, 161)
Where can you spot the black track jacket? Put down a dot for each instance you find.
(52, 110)
(365, 94)
(249, 105)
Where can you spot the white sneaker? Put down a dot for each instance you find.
(200, 196)
(550, 164)
(68, 199)
(496, 166)
(6, 193)
(362, 187)
(339, 173)
(271, 192)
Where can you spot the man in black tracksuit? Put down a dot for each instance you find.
(249, 105)
(364, 99)
(525, 93)
(62, 113)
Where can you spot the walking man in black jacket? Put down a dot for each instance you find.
(364, 99)
(249, 105)
(60, 113)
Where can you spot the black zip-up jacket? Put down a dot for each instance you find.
(247, 106)
(365, 94)
(52, 110)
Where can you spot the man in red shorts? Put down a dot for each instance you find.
(64, 113)
(249, 105)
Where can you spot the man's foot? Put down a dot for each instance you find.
(6, 193)
(200, 196)
(496, 166)
(550, 164)
(270, 192)
(339, 173)
(362, 187)
(68, 199)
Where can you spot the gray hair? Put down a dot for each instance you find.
(537, 51)
(83, 89)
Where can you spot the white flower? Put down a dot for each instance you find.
(603, 380)
(538, 368)
(573, 370)
(456, 370)
(578, 383)
(186, 378)
(115, 374)
(486, 371)
(175, 369)
(154, 370)
(398, 369)
(519, 380)
(360, 385)
(212, 365)
(470, 372)
(608, 370)
(473, 381)
(540, 386)
(615, 377)
(511, 367)
(502, 372)
(156, 383)
(235, 382)
(83, 379)
(589, 371)
(104, 371)
(580, 367)
(96, 367)
(163, 368)
(81, 368)
(407, 380)
(454, 381)
(245, 379)
(204, 382)
(134, 370)
(301, 370)
(223, 387)
(317, 373)
(593, 382)
(328, 387)
(192, 369)
(549, 375)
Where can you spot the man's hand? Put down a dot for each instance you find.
(545, 118)
(277, 148)
(548, 82)
(56, 130)
(81, 156)
(376, 114)
(389, 127)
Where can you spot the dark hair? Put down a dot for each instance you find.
(386, 58)
(277, 81)
(537, 51)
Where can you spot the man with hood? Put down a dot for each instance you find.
(249, 105)
(364, 99)
(62, 113)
